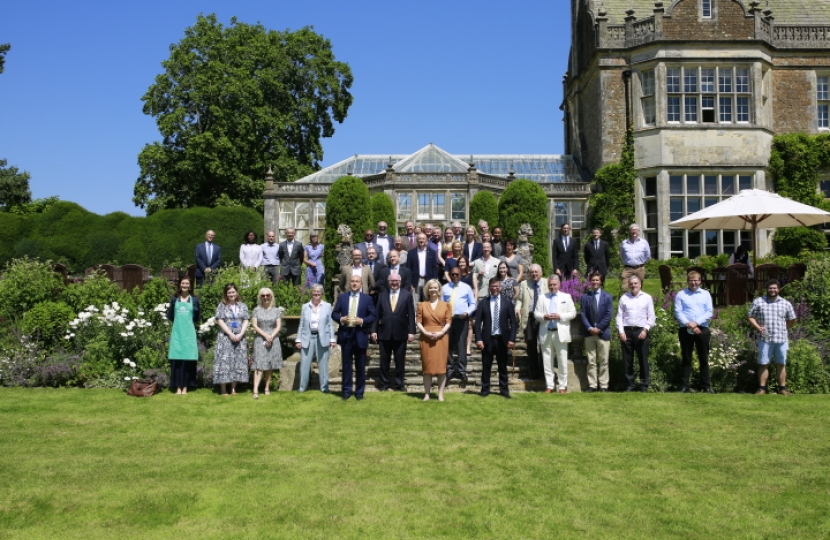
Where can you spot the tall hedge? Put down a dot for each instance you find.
(348, 202)
(524, 201)
(383, 209)
(67, 233)
(485, 206)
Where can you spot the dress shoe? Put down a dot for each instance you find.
(629, 389)
(506, 395)
(784, 392)
(685, 390)
(644, 389)
(591, 390)
(708, 391)
(604, 390)
(401, 389)
(345, 398)
(548, 390)
(563, 391)
(484, 394)
(359, 398)
(761, 392)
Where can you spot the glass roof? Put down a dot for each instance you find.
(543, 168)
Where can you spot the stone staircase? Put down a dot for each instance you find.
(518, 372)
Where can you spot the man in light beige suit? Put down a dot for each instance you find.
(554, 311)
(357, 268)
(529, 292)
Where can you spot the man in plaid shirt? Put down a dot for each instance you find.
(772, 316)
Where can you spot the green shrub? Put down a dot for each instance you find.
(525, 201)
(290, 297)
(793, 241)
(813, 289)
(383, 209)
(346, 203)
(46, 322)
(247, 284)
(484, 205)
(95, 290)
(26, 283)
(806, 373)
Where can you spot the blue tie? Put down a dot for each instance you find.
(496, 317)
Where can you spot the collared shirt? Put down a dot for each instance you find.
(635, 253)
(773, 316)
(357, 271)
(494, 301)
(693, 306)
(433, 245)
(552, 299)
(289, 246)
(465, 299)
(422, 262)
(384, 242)
(635, 311)
(209, 251)
(593, 296)
(270, 255)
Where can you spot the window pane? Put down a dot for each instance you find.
(692, 205)
(823, 85)
(729, 245)
(727, 185)
(439, 205)
(286, 214)
(742, 80)
(303, 215)
(651, 238)
(711, 242)
(320, 216)
(675, 208)
(693, 185)
(824, 185)
(709, 201)
(423, 205)
(823, 116)
(725, 109)
(690, 80)
(693, 244)
(673, 80)
(459, 202)
(707, 80)
(690, 104)
(706, 8)
(677, 242)
(724, 79)
(577, 216)
(404, 206)
(675, 185)
(648, 83)
(743, 109)
(651, 186)
(649, 111)
(745, 182)
(710, 185)
(673, 109)
(651, 214)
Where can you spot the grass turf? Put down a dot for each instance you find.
(98, 464)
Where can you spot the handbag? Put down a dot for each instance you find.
(143, 388)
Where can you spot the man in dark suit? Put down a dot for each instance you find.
(597, 254)
(596, 314)
(355, 312)
(208, 257)
(393, 328)
(566, 254)
(494, 335)
(369, 241)
(423, 266)
(291, 257)
(394, 267)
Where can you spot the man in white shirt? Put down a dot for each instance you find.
(635, 317)
(634, 253)
(386, 242)
(485, 269)
(462, 301)
(554, 312)
(357, 268)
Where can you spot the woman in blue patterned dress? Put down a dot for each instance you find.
(314, 270)
(230, 359)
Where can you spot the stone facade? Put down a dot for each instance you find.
(705, 85)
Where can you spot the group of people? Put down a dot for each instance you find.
(456, 292)
(279, 260)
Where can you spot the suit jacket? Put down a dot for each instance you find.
(171, 309)
(566, 260)
(413, 264)
(397, 324)
(524, 300)
(593, 318)
(366, 275)
(290, 261)
(325, 330)
(597, 259)
(382, 277)
(566, 310)
(202, 261)
(362, 247)
(378, 265)
(476, 253)
(483, 325)
(365, 310)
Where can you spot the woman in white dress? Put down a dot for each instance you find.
(250, 252)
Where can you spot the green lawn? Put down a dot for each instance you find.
(97, 464)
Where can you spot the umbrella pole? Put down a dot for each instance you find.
(755, 254)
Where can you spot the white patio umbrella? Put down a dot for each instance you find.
(751, 209)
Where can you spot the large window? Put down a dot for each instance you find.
(303, 216)
(702, 94)
(404, 206)
(649, 226)
(459, 207)
(431, 206)
(689, 193)
(647, 100)
(706, 9)
(573, 213)
(823, 101)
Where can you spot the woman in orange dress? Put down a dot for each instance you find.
(433, 319)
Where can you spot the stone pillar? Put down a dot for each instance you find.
(658, 19)
(629, 26)
(602, 29)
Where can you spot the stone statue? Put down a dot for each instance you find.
(345, 245)
(524, 248)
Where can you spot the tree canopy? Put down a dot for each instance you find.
(383, 209)
(14, 187)
(233, 101)
(524, 201)
(348, 203)
(4, 48)
(484, 205)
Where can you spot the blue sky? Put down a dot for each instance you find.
(469, 76)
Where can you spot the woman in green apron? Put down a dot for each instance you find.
(183, 352)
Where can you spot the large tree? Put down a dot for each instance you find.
(233, 101)
(14, 187)
(4, 48)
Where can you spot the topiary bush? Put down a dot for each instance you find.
(525, 201)
(383, 209)
(795, 241)
(484, 205)
(347, 202)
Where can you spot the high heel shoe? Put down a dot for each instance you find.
(256, 396)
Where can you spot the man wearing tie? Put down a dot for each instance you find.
(375, 267)
(393, 328)
(290, 254)
(597, 255)
(368, 241)
(554, 311)
(356, 313)
(357, 269)
(395, 267)
(411, 237)
(208, 257)
(597, 312)
(529, 292)
(495, 333)
(566, 254)
(462, 302)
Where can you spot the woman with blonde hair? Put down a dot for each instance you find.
(266, 322)
(315, 337)
(433, 319)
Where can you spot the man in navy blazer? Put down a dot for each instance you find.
(494, 339)
(566, 253)
(290, 254)
(394, 267)
(597, 308)
(597, 254)
(423, 265)
(393, 328)
(353, 335)
(208, 257)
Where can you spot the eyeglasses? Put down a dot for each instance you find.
(265, 296)
(455, 274)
